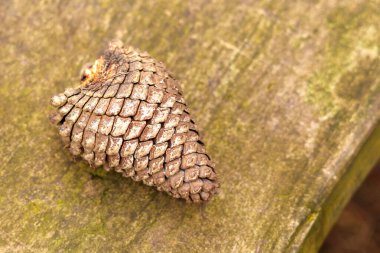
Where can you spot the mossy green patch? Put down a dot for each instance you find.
(347, 62)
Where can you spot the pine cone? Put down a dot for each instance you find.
(129, 115)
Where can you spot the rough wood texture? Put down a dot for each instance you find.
(285, 92)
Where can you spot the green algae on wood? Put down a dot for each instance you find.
(285, 94)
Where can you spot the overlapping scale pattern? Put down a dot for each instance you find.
(133, 119)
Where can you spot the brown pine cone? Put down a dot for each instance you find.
(129, 115)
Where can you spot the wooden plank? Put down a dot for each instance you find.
(285, 93)
(338, 198)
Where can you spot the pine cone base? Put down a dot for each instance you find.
(129, 115)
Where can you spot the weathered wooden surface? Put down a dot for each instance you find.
(285, 93)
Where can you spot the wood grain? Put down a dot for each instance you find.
(285, 92)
